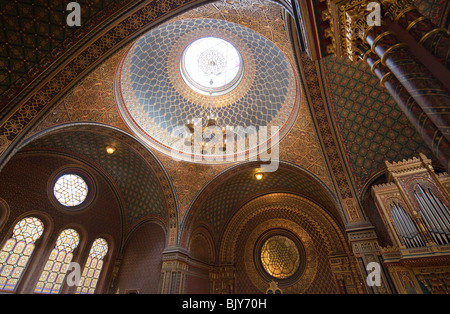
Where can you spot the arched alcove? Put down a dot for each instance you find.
(140, 264)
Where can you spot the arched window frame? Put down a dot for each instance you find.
(4, 213)
(17, 251)
(55, 270)
(94, 268)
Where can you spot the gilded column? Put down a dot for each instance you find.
(432, 37)
(351, 26)
(427, 91)
(432, 136)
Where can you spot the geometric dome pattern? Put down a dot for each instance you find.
(154, 99)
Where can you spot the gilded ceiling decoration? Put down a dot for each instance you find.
(35, 35)
(316, 234)
(300, 268)
(369, 123)
(155, 98)
(14, 127)
(92, 99)
(371, 127)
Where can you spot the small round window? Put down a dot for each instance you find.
(70, 190)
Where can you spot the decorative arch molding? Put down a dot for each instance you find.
(308, 212)
(309, 266)
(47, 220)
(410, 186)
(4, 212)
(370, 182)
(325, 197)
(281, 213)
(123, 141)
(145, 222)
(202, 234)
(139, 266)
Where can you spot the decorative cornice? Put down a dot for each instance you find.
(410, 166)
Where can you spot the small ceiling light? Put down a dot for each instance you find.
(110, 149)
(259, 176)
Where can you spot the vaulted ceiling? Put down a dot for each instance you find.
(140, 180)
(221, 198)
(42, 59)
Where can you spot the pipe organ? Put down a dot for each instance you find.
(435, 215)
(405, 227)
(414, 207)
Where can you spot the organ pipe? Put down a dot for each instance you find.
(436, 215)
(406, 227)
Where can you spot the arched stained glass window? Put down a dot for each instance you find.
(55, 269)
(17, 250)
(93, 267)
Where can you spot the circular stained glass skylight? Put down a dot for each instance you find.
(70, 190)
(211, 65)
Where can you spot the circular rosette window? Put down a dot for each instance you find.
(280, 257)
(72, 189)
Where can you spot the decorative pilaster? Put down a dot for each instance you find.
(115, 274)
(367, 250)
(344, 271)
(433, 38)
(222, 279)
(173, 273)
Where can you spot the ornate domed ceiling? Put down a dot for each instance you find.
(194, 69)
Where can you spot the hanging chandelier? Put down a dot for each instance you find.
(211, 63)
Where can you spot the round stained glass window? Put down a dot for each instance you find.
(70, 190)
(280, 257)
(211, 65)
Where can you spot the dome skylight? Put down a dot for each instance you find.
(211, 64)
